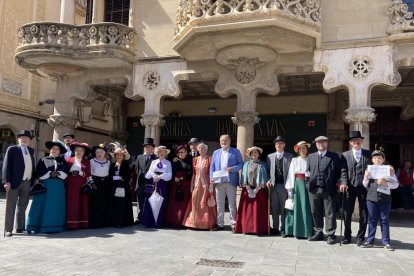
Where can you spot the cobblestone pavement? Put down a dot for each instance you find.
(136, 250)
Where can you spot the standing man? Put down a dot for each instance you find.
(142, 165)
(18, 176)
(354, 162)
(323, 172)
(68, 139)
(225, 159)
(406, 177)
(193, 147)
(278, 167)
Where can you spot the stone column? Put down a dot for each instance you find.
(245, 121)
(62, 124)
(98, 11)
(67, 11)
(359, 119)
(131, 16)
(152, 124)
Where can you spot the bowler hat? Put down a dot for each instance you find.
(355, 134)
(148, 141)
(193, 141)
(279, 139)
(68, 134)
(24, 132)
(50, 144)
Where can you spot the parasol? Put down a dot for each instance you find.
(155, 201)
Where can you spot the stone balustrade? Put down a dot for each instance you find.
(204, 11)
(401, 18)
(52, 35)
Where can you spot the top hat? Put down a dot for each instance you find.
(82, 145)
(193, 141)
(50, 144)
(24, 132)
(279, 139)
(148, 141)
(321, 138)
(300, 144)
(355, 134)
(68, 134)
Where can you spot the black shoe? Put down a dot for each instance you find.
(137, 221)
(316, 237)
(346, 241)
(331, 240)
(282, 233)
(218, 228)
(274, 232)
(359, 242)
(19, 231)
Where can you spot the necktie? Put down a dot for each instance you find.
(357, 156)
(320, 155)
(25, 151)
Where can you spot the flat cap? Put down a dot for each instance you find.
(321, 138)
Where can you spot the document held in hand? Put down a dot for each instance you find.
(379, 171)
(221, 177)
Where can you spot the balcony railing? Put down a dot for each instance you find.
(189, 11)
(401, 18)
(46, 35)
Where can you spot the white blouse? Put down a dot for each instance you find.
(298, 165)
(158, 166)
(99, 168)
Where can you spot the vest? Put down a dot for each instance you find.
(375, 196)
(406, 180)
(321, 174)
(358, 173)
(279, 179)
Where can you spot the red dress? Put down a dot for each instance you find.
(76, 203)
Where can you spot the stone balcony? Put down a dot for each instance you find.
(204, 27)
(47, 48)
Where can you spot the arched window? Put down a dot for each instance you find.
(117, 11)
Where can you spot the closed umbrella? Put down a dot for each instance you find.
(155, 201)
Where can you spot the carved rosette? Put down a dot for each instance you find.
(152, 120)
(360, 115)
(360, 67)
(245, 69)
(66, 121)
(245, 118)
(151, 80)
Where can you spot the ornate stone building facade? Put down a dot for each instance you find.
(254, 68)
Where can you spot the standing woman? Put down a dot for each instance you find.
(300, 223)
(121, 213)
(48, 210)
(199, 215)
(180, 193)
(252, 216)
(79, 172)
(99, 198)
(160, 172)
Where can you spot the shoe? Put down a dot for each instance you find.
(331, 240)
(218, 228)
(282, 233)
(9, 234)
(346, 241)
(233, 229)
(359, 242)
(19, 231)
(389, 247)
(316, 237)
(274, 232)
(367, 245)
(137, 221)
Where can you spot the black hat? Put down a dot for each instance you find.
(24, 132)
(378, 153)
(279, 139)
(193, 141)
(100, 146)
(355, 134)
(50, 144)
(68, 134)
(148, 141)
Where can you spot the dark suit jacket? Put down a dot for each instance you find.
(271, 165)
(13, 166)
(348, 166)
(142, 168)
(332, 169)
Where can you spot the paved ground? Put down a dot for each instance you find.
(139, 251)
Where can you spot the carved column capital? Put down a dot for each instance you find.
(360, 115)
(243, 118)
(152, 120)
(62, 120)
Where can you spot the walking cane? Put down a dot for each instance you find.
(342, 215)
(4, 229)
(268, 211)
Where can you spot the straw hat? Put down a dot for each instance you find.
(300, 144)
(249, 150)
(167, 151)
(121, 150)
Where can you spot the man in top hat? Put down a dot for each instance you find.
(142, 165)
(193, 147)
(323, 172)
(278, 167)
(18, 176)
(354, 162)
(68, 139)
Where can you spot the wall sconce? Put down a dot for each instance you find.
(212, 110)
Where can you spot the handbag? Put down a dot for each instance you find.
(211, 202)
(38, 188)
(289, 204)
(119, 192)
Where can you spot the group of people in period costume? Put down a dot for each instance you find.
(189, 188)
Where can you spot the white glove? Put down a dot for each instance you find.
(210, 188)
(256, 190)
(81, 173)
(177, 179)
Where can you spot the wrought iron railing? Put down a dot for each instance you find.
(306, 11)
(65, 36)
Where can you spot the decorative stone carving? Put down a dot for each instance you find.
(360, 115)
(11, 87)
(152, 120)
(304, 11)
(360, 67)
(401, 17)
(57, 120)
(243, 118)
(245, 68)
(151, 80)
